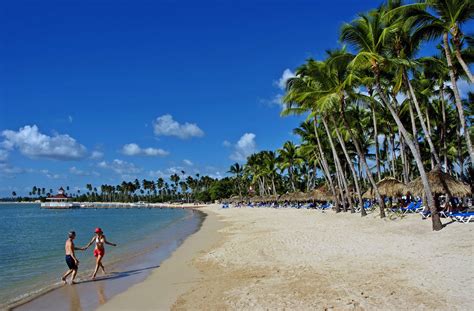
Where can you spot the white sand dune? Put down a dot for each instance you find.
(263, 259)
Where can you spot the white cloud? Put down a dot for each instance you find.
(175, 170)
(244, 147)
(134, 149)
(7, 169)
(277, 100)
(226, 143)
(166, 126)
(69, 118)
(30, 142)
(3, 154)
(464, 88)
(156, 174)
(50, 175)
(287, 74)
(120, 167)
(96, 155)
(188, 162)
(74, 170)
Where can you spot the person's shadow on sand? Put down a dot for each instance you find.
(117, 275)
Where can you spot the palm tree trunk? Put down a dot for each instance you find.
(337, 162)
(341, 187)
(351, 165)
(458, 98)
(392, 157)
(364, 163)
(404, 158)
(420, 116)
(459, 149)
(433, 156)
(290, 173)
(325, 176)
(273, 186)
(325, 163)
(376, 140)
(436, 222)
(457, 52)
(414, 129)
(443, 129)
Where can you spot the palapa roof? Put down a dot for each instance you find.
(237, 198)
(321, 194)
(285, 197)
(256, 198)
(389, 187)
(440, 183)
(271, 198)
(299, 196)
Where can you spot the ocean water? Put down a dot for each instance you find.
(32, 242)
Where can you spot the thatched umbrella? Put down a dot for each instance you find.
(285, 197)
(237, 198)
(369, 194)
(299, 196)
(257, 199)
(440, 183)
(271, 198)
(321, 194)
(389, 187)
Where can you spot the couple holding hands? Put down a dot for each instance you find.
(99, 252)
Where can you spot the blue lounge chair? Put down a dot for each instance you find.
(412, 208)
(325, 206)
(462, 217)
(425, 214)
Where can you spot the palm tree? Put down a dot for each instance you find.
(288, 160)
(270, 163)
(237, 170)
(175, 179)
(448, 18)
(404, 44)
(298, 99)
(368, 34)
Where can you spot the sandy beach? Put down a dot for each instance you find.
(306, 259)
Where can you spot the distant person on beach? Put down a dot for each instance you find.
(99, 250)
(71, 260)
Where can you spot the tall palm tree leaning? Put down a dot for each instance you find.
(448, 18)
(404, 46)
(368, 35)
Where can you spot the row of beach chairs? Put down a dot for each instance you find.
(413, 207)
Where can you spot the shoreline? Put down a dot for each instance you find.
(123, 204)
(176, 275)
(131, 270)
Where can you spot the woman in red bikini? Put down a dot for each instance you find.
(99, 250)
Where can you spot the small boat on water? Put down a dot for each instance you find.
(139, 204)
(59, 201)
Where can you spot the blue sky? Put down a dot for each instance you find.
(102, 91)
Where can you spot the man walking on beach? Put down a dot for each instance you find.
(71, 260)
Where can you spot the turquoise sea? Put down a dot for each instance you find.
(32, 244)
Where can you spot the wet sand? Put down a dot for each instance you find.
(259, 259)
